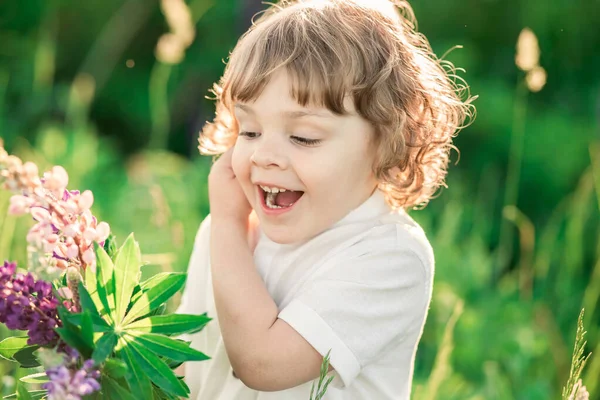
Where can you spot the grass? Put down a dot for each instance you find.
(496, 329)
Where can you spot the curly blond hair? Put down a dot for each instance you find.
(367, 49)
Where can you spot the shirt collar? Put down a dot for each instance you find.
(372, 208)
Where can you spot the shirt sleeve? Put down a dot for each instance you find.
(360, 307)
(193, 300)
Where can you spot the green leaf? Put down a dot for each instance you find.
(157, 370)
(127, 275)
(104, 347)
(65, 316)
(26, 358)
(174, 324)
(9, 346)
(87, 330)
(137, 379)
(35, 394)
(159, 394)
(155, 296)
(99, 324)
(164, 346)
(160, 310)
(91, 285)
(105, 280)
(150, 282)
(115, 368)
(173, 364)
(40, 377)
(137, 292)
(87, 304)
(113, 390)
(75, 339)
(22, 393)
(110, 246)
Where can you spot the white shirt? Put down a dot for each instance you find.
(362, 288)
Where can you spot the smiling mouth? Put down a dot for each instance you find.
(282, 199)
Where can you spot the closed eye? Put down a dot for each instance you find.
(305, 141)
(298, 139)
(251, 135)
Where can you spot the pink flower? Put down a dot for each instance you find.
(19, 205)
(86, 199)
(66, 229)
(56, 179)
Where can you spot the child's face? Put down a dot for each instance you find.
(335, 174)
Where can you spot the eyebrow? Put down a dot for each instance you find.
(291, 114)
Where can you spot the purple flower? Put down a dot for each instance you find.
(27, 304)
(69, 382)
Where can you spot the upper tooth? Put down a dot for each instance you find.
(272, 190)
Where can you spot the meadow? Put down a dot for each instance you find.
(516, 233)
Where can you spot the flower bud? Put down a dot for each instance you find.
(85, 200)
(103, 230)
(19, 205)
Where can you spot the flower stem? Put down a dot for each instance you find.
(159, 105)
(511, 194)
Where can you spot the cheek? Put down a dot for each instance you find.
(239, 162)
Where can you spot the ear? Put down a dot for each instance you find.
(394, 171)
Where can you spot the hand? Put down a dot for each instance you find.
(227, 199)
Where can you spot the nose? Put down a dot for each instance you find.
(268, 154)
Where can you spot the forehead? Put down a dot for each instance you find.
(278, 96)
(291, 114)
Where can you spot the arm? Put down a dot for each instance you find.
(266, 353)
(245, 308)
(288, 360)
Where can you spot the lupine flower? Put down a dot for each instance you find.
(68, 382)
(28, 304)
(65, 230)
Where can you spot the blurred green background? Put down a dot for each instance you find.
(515, 234)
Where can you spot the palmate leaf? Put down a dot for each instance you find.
(127, 275)
(115, 368)
(155, 296)
(110, 246)
(156, 369)
(160, 395)
(105, 283)
(120, 331)
(89, 277)
(150, 282)
(104, 347)
(137, 379)
(111, 389)
(99, 324)
(174, 324)
(87, 303)
(74, 338)
(164, 346)
(87, 329)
